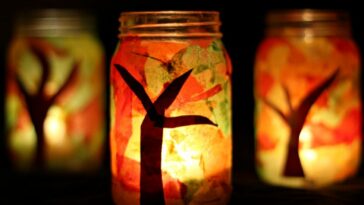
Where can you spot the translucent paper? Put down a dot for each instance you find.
(55, 98)
(308, 110)
(171, 121)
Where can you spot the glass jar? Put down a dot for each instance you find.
(170, 134)
(55, 93)
(307, 94)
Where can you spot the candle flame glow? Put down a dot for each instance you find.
(183, 157)
(305, 137)
(308, 155)
(55, 126)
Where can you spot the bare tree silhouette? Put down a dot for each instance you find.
(295, 120)
(39, 103)
(151, 186)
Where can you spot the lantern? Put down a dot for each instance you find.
(55, 93)
(308, 108)
(170, 110)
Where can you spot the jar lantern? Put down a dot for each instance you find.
(307, 94)
(55, 93)
(170, 131)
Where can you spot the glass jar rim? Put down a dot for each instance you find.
(170, 23)
(53, 22)
(312, 22)
(169, 12)
(306, 15)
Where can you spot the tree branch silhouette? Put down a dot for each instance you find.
(38, 103)
(295, 120)
(151, 185)
(171, 92)
(173, 122)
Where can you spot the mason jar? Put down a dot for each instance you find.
(170, 137)
(55, 93)
(307, 98)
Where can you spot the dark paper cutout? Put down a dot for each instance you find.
(38, 103)
(295, 119)
(151, 186)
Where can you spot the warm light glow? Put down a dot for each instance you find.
(307, 102)
(182, 157)
(305, 137)
(308, 154)
(55, 95)
(55, 126)
(188, 145)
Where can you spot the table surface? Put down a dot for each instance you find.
(95, 189)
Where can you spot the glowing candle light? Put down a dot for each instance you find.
(55, 127)
(308, 108)
(55, 93)
(170, 110)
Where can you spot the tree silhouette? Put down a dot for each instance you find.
(151, 186)
(39, 103)
(295, 120)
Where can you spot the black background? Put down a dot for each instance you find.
(243, 29)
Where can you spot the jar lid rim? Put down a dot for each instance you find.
(305, 15)
(169, 12)
(170, 24)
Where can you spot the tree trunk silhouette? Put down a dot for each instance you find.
(295, 119)
(38, 103)
(151, 185)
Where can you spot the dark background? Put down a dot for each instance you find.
(243, 29)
